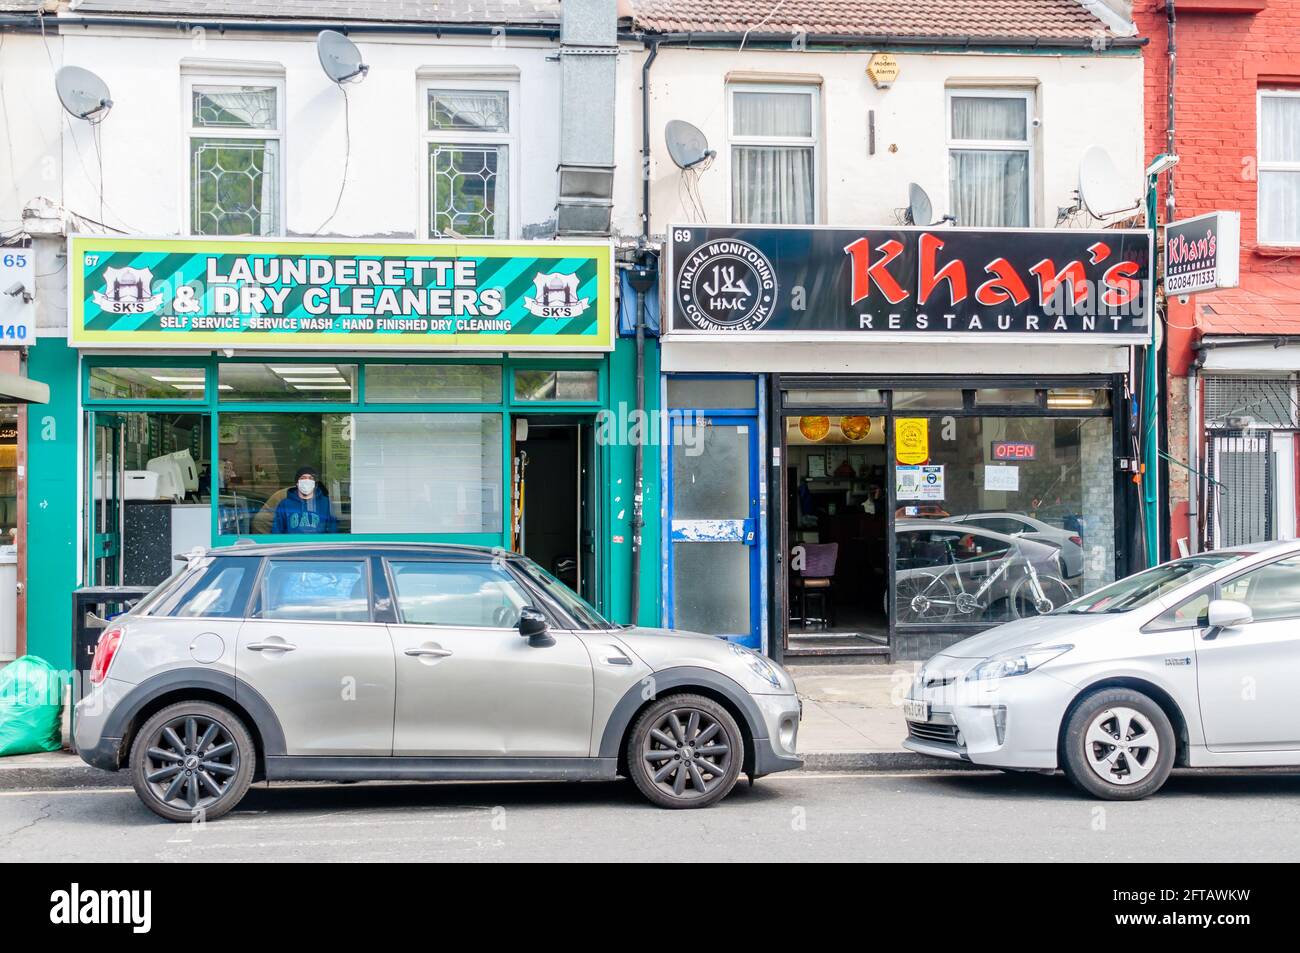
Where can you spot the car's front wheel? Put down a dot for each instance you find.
(190, 760)
(1118, 745)
(685, 751)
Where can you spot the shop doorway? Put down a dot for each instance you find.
(148, 495)
(837, 532)
(554, 478)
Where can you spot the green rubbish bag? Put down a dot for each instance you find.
(31, 697)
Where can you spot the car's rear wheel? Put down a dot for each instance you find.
(685, 751)
(191, 760)
(1119, 745)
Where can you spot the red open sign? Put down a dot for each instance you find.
(1014, 450)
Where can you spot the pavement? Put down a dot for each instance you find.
(851, 722)
(801, 816)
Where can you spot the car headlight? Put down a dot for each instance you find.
(1019, 662)
(758, 664)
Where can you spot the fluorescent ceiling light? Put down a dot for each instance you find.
(322, 386)
(167, 379)
(188, 386)
(307, 369)
(315, 380)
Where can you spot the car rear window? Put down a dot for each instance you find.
(218, 589)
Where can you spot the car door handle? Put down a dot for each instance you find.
(419, 652)
(270, 646)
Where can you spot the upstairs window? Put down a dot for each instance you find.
(774, 132)
(235, 150)
(989, 158)
(469, 146)
(1279, 167)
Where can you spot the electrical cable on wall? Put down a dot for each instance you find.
(347, 158)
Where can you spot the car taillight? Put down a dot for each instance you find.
(1077, 540)
(105, 649)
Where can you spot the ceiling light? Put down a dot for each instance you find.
(315, 380)
(308, 369)
(322, 386)
(173, 380)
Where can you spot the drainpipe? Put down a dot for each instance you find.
(1172, 45)
(642, 280)
(1194, 455)
(643, 277)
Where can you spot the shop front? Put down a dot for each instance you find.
(269, 390)
(885, 441)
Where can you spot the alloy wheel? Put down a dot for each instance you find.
(191, 760)
(1121, 745)
(687, 753)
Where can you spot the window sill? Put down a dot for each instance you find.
(1218, 6)
(1277, 251)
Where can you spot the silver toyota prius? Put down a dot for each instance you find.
(1193, 663)
(341, 662)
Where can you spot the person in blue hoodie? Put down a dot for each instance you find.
(305, 508)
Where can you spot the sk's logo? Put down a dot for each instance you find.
(556, 296)
(128, 291)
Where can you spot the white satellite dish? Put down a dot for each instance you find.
(687, 146)
(339, 57)
(920, 210)
(1102, 189)
(82, 93)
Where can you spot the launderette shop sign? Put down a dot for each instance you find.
(273, 293)
(797, 283)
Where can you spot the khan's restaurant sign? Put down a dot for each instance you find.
(811, 283)
(272, 293)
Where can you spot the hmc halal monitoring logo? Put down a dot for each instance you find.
(725, 285)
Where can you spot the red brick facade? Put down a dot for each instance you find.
(1226, 51)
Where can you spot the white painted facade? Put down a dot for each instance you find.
(1077, 99)
(143, 141)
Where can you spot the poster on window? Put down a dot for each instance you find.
(809, 283)
(918, 483)
(280, 293)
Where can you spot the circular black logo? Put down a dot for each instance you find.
(726, 285)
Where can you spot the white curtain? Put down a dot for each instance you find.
(235, 107)
(772, 185)
(990, 187)
(1279, 190)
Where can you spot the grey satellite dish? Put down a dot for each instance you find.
(339, 57)
(686, 144)
(920, 210)
(1102, 189)
(82, 93)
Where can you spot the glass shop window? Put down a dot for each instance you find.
(365, 473)
(1006, 517)
(148, 383)
(288, 382)
(541, 384)
(433, 383)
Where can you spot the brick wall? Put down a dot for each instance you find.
(1223, 59)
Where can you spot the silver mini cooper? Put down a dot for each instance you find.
(340, 662)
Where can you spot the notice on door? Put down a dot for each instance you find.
(918, 482)
(912, 440)
(1005, 478)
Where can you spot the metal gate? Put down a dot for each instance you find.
(1241, 488)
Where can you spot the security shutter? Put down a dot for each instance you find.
(1241, 494)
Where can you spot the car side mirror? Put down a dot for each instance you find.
(534, 627)
(1226, 614)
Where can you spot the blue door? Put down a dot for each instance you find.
(714, 554)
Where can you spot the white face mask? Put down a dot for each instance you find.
(306, 487)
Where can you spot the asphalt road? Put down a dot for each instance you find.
(941, 816)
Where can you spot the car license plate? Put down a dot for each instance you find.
(914, 710)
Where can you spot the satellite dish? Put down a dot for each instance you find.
(920, 210)
(686, 144)
(1102, 189)
(82, 93)
(339, 57)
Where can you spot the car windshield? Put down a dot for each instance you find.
(572, 603)
(1149, 585)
